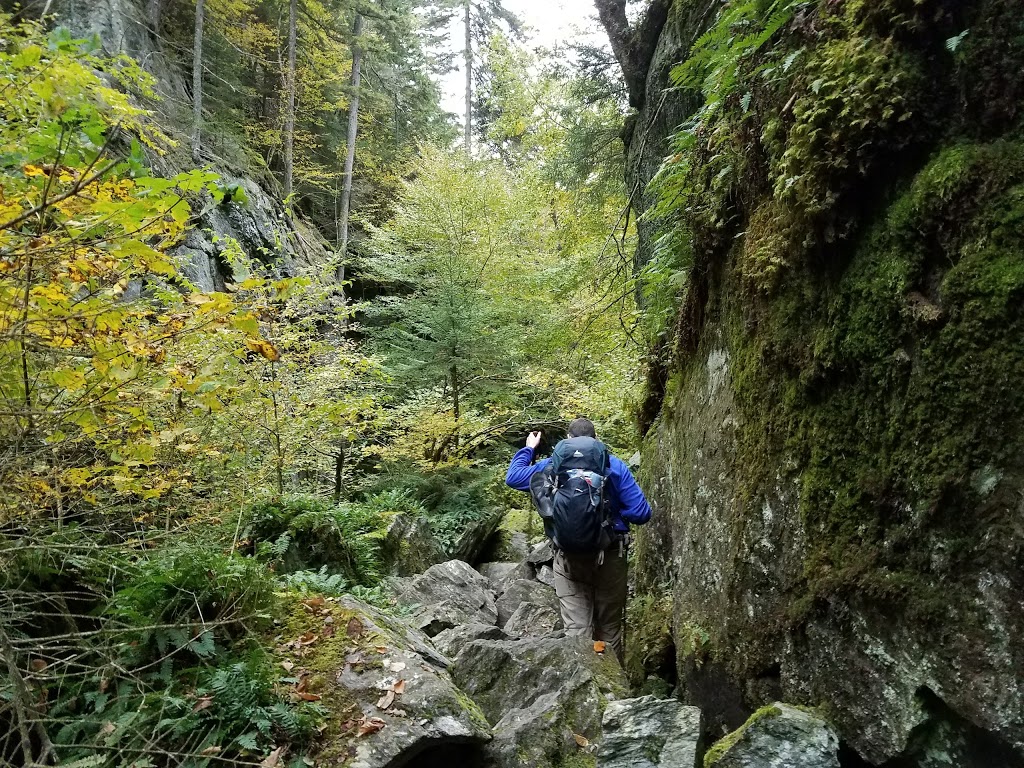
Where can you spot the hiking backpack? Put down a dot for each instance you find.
(570, 496)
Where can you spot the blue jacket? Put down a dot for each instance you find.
(626, 501)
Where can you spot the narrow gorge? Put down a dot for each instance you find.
(775, 248)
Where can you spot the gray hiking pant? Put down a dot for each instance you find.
(593, 597)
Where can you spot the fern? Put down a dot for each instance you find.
(320, 582)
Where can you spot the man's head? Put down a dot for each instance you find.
(582, 427)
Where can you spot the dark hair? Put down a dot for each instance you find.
(582, 427)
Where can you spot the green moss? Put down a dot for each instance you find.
(577, 760)
(892, 385)
(649, 633)
(720, 747)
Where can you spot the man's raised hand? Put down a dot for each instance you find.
(533, 440)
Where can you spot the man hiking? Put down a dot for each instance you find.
(587, 499)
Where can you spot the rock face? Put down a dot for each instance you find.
(779, 736)
(541, 693)
(445, 596)
(253, 218)
(650, 733)
(834, 452)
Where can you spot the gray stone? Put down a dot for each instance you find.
(779, 736)
(523, 591)
(541, 692)
(650, 733)
(497, 572)
(429, 711)
(541, 554)
(531, 619)
(546, 575)
(446, 595)
(474, 535)
(410, 546)
(523, 570)
(451, 641)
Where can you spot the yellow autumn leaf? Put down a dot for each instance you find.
(264, 348)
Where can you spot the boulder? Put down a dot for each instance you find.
(524, 591)
(410, 547)
(546, 575)
(532, 619)
(389, 694)
(451, 641)
(648, 732)
(446, 595)
(497, 572)
(541, 554)
(541, 693)
(474, 535)
(523, 570)
(778, 736)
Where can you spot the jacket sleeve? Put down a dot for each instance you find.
(634, 507)
(522, 469)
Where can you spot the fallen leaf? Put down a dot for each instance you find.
(271, 760)
(368, 725)
(314, 602)
(301, 685)
(327, 631)
(203, 702)
(583, 741)
(399, 687)
(304, 696)
(599, 646)
(212, 750)
(307, 638)
(107, 729)
(386, 700)
(382, 649)
(288, 666)
(397, 666)
(355, 627)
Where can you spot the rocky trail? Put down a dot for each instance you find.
(476, 670)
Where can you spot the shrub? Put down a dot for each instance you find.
(302, 532)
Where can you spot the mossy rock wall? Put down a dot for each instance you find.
(837, 459)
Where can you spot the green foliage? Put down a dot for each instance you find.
(450, 497)
(186, 587)
(301, 531)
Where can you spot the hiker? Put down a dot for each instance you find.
(587, 499)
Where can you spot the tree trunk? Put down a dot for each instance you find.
(350, 154)
(456, 405)
(469, 78)
(289, 120)
(633, 46)
(339, 474)
(197, 81)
